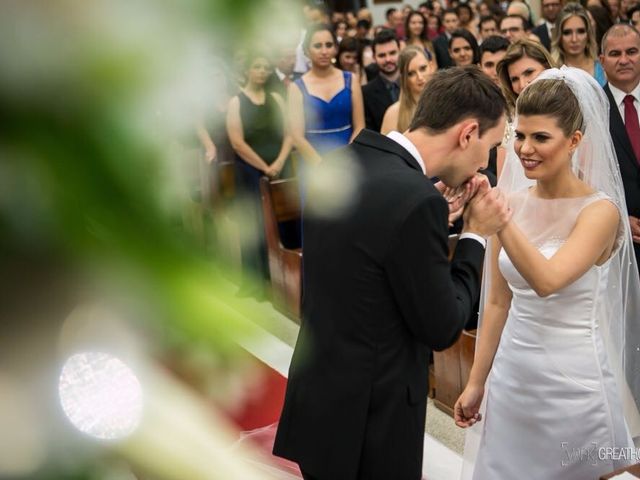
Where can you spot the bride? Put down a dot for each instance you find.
(560, 301)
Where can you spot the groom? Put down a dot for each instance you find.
(379, 291)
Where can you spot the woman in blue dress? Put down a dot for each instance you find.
(325, 105)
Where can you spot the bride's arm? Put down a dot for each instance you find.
(593, 234)
(494, 317)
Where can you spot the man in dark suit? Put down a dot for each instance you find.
(282, 74)
(620, 59)
(544, 31)
(379, 289)
(451, 23)
(384, 89)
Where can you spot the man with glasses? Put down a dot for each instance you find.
(513, 28)
(550, 11)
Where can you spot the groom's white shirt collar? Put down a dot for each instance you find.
(408, 146)
(411, 148)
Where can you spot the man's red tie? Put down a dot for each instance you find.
(631, 124)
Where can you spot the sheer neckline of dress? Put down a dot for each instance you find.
(530, 194)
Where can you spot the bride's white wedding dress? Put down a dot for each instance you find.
(552, 406)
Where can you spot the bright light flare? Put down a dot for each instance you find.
(100, 395)
(333, 187)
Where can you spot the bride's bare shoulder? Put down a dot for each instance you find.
(601, 210)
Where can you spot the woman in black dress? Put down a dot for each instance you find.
(255, 124)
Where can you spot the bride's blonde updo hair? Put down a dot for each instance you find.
(555, 99)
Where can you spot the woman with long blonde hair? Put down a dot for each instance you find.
(574, 42)
(415, 70)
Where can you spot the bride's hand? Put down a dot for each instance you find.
(467, 407)
(456, 197)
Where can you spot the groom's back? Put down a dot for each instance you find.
(345, 286)
(354, 352)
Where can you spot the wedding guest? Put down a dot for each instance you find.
(574, 43)
(621, 60)
(384, 89)
(282, 74)
(484, 9)
(415, 70)
(466, 18)
(434, 27)
(522, 64)
(365, 14)
(614, 7)
(255, 125)
(349, 58)
(325, 104)
(544, 31)
(337, 16)
(513, 28)
(488, 27)
(634, 16)
(417, 33)
(351, 19)
(463, 48)
(426, 8)
(492, 51)
(601, 22)
(340, 29)
(451, 23)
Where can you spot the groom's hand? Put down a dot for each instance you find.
(488, 211)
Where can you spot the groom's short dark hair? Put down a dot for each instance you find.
(455, 94)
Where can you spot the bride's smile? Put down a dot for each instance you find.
(542, 146)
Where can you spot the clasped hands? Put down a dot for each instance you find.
(485, 210)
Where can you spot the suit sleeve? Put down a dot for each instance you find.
(369, 121)
(435, 297)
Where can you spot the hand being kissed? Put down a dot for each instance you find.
(457, 197)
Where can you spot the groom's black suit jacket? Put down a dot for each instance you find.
(629, 168)
(379, 293)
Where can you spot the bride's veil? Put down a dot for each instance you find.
(595, 162)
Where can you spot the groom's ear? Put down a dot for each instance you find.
(468, 130)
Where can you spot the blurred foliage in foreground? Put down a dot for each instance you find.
(94, 98)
